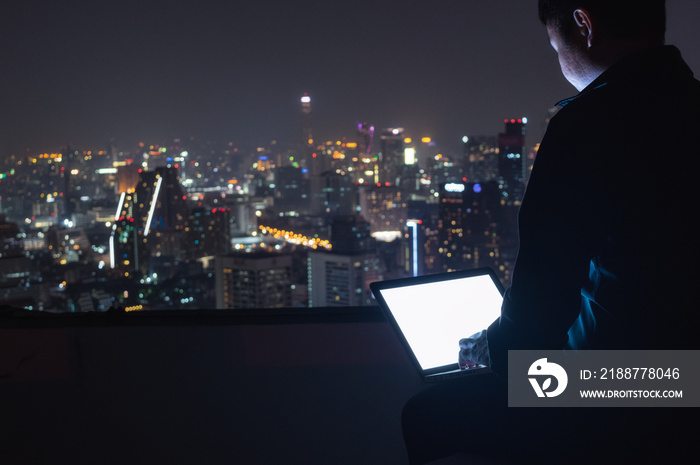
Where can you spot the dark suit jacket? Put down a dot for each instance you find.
(608, 243)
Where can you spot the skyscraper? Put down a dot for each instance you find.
(253, 280)
(511, 161)
(384, 207)
(350, 234)
(480, 158)
(208, 232)
(15, 267)
(150, 220)
(365, 136)
(391, 157)
(342, 277)
(307, 135)
(333, 194)
(291, 189)
(468, 232)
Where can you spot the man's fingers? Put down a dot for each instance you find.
(464, 361)
(473, 350)
(465, 354)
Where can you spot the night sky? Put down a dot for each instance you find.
(85, 72)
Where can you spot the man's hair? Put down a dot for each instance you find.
(619, 19)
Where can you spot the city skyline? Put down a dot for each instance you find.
(79, 232)
(126, 72)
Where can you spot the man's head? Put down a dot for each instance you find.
(591, 35)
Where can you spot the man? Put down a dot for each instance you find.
(608, 250)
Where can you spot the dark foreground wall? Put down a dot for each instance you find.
(203, 391)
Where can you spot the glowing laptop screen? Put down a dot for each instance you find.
(434, 316)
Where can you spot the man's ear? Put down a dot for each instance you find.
(584, 26)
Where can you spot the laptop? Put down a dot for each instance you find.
(431, 313)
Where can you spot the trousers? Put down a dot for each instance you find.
(470, 417)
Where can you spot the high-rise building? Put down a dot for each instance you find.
(351, 234)
(414, 262)
(469, 232)
(421, 239)
(150, 220)
(128, 253)
(307, 135)
(291, 189)
(365, 137)
(16, 269)
(208, 233)
(253, 281)
(384, 207)
(333, 194)
(164, 211)
(391, 156)
(338, 280)
(341, 277)
(511, 162)
(480, 158)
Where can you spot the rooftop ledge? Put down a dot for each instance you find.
(311, 386)
(19, 317)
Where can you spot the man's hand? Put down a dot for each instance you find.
(474, 350)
